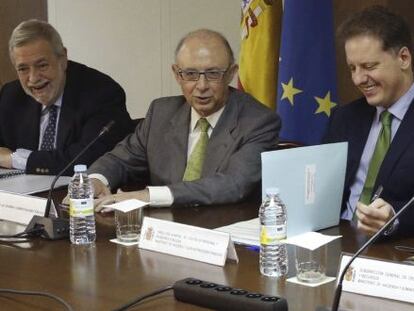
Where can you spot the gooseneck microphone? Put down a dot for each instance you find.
(55, 228)
(338, 290)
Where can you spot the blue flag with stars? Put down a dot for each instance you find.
(307, 75)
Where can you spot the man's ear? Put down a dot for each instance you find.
(232, 72)
(65, 59)
(405, 58)
(174, 69)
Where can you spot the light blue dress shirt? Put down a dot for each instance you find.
(398, 110)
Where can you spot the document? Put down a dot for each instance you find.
(310, 181)
(17, 182)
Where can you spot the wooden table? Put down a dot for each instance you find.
(106, 275)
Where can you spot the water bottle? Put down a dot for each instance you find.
(273, 252)
(82, 218)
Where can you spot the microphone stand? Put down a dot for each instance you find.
(338, 290)
(54, 228)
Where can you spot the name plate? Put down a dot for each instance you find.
(21, 208)
(187, 241)
(379, 278)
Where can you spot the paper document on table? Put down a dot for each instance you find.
(311, 240)
(28, 184)
(244, 232)
(6, 173)
(126, 205)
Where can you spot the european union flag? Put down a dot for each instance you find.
(307, 76)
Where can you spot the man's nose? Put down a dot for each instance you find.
(359, 77)
(33, 74)
(202, 83)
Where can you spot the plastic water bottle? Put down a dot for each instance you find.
(82, 218)
(273, 218)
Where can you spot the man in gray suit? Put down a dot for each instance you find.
(182, 162)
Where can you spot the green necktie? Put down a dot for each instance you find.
(195, 162)
(383, 143)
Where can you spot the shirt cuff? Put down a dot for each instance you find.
(100, 177)
(160, 196)
(19, 158)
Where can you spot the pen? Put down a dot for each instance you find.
(377, 193)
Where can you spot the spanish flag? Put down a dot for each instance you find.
(259, 50)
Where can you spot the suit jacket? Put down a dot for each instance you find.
(90, 100)
(352, 123)
(156, 154)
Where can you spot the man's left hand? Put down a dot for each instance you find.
(5, 157)
(142, 195)
(372, 217)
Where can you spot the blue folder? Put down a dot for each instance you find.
(310, 181)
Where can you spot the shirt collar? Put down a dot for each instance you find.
(58, 103)
(400, 107)
(212, 119)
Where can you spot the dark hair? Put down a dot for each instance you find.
(381, 23)
(206, 33)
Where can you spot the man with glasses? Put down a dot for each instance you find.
(197, 149)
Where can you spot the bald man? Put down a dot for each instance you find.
(182, 161)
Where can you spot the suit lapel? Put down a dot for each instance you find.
(222, 137)
(67, 110)
(176, 142)
(403, 138)
(359, 128)
(33, 116)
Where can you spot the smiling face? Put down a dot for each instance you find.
(204, 54)
(382, 76)
(41, 72)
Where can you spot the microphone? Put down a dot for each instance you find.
(55, 228)
(338, 290)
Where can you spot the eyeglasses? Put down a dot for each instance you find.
(194, 75)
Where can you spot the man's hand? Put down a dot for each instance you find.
(5, 157)
(142, 195)
(100, 191)
(372, 217)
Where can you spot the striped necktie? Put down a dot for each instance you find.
(196, 160)
(48, 139)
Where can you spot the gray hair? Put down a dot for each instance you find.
(206, 34)
(32, 30)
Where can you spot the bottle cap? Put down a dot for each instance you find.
(272, 191)
(80, 168)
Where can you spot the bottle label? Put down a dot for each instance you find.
(81, 207)
(272, 234)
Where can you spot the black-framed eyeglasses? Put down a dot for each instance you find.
(194, 75)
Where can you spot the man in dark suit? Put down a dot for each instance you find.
(165, 147)
(56, 107)
(379, 127)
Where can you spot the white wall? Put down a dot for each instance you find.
(134, 40)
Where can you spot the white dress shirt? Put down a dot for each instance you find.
(161, 196)
(20, 156)
(398, 110)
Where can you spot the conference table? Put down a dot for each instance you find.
(106, 275)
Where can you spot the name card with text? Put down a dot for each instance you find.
(187, 241)
(379, 278)
(21, 208)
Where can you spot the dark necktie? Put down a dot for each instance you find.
(381, 148)
(195, 162)
(50, 131)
